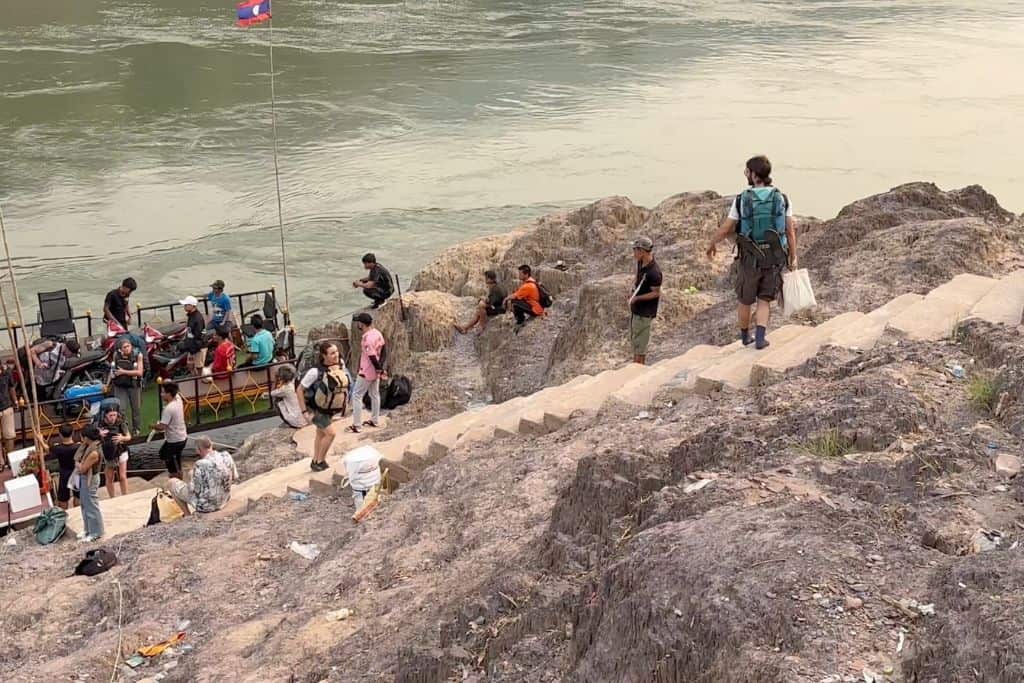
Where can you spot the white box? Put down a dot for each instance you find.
(17, 457)
(22, 494)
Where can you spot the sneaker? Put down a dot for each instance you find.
(88, 539)
(80, 535)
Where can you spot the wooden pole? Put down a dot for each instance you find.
(34, 408)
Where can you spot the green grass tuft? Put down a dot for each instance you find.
(982, 392)
(828, 444)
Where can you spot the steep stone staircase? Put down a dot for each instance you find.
(701, 369)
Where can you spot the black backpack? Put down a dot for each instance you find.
(398, 393)
(545, 296)
(96, 562)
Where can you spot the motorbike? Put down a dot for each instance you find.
(156, 343)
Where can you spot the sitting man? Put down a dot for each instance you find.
(223, 354)
(525, 301)
(261, 344)
(212, 475)
(377, 284)
(488, 307)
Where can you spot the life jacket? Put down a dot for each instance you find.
(762, 213)
(122, 363)
(329, 393)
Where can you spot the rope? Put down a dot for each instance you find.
(277, 170)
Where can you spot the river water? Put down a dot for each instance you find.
(135, 137)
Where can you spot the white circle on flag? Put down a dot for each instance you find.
(255, 10)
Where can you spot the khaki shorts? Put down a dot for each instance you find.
(7, 424)
(640, 334)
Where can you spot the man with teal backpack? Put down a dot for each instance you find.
(762, 219)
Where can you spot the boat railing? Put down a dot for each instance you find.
(233, 397)
(176, 312)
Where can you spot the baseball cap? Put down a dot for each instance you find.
(189, 301)
(644, 243)
(217, 284)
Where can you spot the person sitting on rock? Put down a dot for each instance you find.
(286, 401)
(762, 219)
(525, 301)
(488, 307)
(377, 284)
(212, 475)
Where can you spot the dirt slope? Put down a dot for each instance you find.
(597, 553)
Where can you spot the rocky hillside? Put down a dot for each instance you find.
(845, 524)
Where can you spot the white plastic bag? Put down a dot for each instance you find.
(796, 291)
(362, 465)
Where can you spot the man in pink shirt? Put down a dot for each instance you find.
(371, 370)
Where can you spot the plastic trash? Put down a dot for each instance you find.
(310, 551)
(797, 293)
(956, 370)
(298, 496)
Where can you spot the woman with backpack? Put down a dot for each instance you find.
(87, 464)
(114, 438)
(324, 395)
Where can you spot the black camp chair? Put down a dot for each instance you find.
(55, 316)
(269, 313)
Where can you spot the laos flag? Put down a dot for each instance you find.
(253, 12)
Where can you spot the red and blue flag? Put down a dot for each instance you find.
(253, 12)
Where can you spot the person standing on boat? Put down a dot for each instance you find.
(372, 358)
(221, 305)
(126, 381)
(116, 306)
(377, 284)
(193, 343)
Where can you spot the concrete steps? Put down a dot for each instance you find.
(733, 371)
(935, 316)
(640, 391)
(773, 364)
(1004, 303)
(863, 337)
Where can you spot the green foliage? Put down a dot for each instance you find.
(982, 392)
(828, 444)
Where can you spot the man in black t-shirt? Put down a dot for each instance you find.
(377, 284)
(193, 343)
(492, 305)
(643, 304)
(116, 307)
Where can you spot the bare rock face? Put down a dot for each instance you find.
(574, 237)
(458, 269)
(909, 239)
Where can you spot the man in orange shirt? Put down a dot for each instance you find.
(525, 301)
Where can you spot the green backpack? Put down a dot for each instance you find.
(761, 215)
(50, 526)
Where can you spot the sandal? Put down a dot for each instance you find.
(370, 423)
(352, 428)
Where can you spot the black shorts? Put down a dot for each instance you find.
(63, 492)
(753, 283)
(493, 311)
(170, 453)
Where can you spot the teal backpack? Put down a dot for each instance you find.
(759, 216)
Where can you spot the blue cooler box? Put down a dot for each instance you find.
(88, 392)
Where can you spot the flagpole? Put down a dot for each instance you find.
(277, 170)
